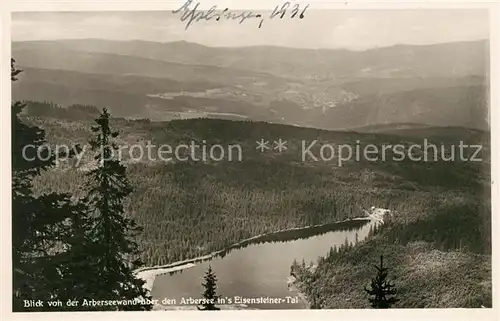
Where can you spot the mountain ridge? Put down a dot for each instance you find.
(447, 59)
(432, 84)
(190, 43)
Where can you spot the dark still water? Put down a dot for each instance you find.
(260, 269)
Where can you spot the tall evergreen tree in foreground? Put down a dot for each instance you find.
(382, 292)
(110, 230)
(41, 225)
(210, 294)
(70, 249)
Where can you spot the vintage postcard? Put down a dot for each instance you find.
(204, 156)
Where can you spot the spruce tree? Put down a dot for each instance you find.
(111, 232)
(382, 292)
(210, 294)
(76, 262)
(315, 305)
(40, 224)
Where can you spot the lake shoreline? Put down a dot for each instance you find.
(148, 274)
(294, 285)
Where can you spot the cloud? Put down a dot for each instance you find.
(106, 21)
(353, 29)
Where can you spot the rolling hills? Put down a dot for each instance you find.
(281, 189)
(191, 208)
(404, 61)
(440, 85)
(439, 241)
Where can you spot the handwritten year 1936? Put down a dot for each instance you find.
(191, 14)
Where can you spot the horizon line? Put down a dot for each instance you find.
(255, 46)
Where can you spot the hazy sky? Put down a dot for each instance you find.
(351, 29)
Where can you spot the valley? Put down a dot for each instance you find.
(438, 238)
(189, 210)
(377, 86)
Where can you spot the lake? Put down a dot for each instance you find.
(260, 267)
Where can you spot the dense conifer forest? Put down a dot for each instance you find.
(192, 208)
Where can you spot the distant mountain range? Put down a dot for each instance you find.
(440, 60)
(441, 85)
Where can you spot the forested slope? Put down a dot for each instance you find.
(438, 252)
(193, 208)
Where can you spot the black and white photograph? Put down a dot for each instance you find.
(290, 158)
